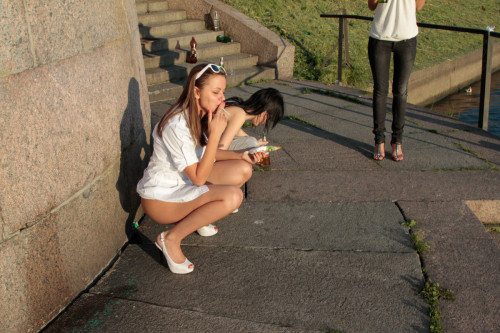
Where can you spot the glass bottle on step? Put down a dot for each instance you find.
(216, 21)
(223, 39)
(192, 57)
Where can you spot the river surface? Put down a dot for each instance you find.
(465, 106)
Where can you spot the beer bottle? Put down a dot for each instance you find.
(192, 58)
(223, 39)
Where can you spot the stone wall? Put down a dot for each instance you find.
(273, 50)
(435, 83)
(75, 127)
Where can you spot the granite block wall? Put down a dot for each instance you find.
(74, 140)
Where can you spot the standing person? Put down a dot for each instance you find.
(264, 107)
(182, 184)
(393, 30)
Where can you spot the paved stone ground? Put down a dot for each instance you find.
(319, 245)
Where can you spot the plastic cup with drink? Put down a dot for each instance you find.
(265, 162)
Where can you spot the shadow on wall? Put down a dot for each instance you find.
(135, 154)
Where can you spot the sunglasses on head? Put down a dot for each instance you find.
(216, 69)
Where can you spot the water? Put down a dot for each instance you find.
(466, 107)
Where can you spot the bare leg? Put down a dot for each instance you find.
(231, 172)
(190, 216)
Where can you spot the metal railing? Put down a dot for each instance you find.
(484, 103)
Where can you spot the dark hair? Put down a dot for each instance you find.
(186, 101)
(268, 99)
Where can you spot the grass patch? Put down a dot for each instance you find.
(299, 22)
(251, 82)
(302, 121)
(492, 227)
(305, 91)
(416, 237)
(341, 96)
(431, 291)
(472, 152)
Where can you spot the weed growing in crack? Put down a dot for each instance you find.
(431, 291)
(416, 237)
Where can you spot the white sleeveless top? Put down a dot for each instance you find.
(395, 21)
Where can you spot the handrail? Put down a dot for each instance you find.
(484, 105)
(420, 24)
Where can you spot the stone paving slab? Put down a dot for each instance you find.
(357, 227)
(285, 287)
(274, 266)
(380, 185)
(481, 143)
(100, 313)
(423, 150)
(463, 258)
(318, 155)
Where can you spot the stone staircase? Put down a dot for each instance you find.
(166, 68)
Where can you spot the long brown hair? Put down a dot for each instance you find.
(186, 104)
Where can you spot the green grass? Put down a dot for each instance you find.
(302, 121)
(416, 237)
(431, 292)
(492, 229)
(472, 152)
(314, 37)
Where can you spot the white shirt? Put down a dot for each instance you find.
(395, 21)
(164, 178)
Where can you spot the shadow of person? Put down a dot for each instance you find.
(135, 154)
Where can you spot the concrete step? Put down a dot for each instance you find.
(172, 90)
(149, 6)
(162, 30)
(153, 18)
(202, 37)
(165, 58)
(166, 67)
(178, 72)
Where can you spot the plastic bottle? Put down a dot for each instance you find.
(221, 62)
(216, 21)
(223, 39)
(192, 58)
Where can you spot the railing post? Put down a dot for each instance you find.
(339, 63)
(484, 103)
(346, 41)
